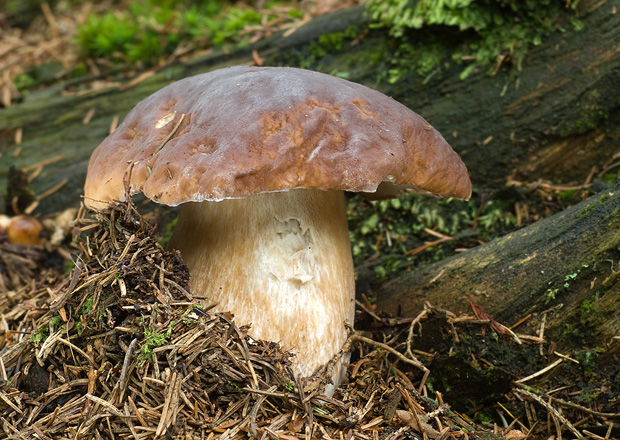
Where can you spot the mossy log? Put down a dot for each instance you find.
(64, 123)
(567, 265)
(556, 118)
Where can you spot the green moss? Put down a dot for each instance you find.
(611, 177)
(384, 231)
(39, 336)
(569, 196)
(587, 358)
(289, 386)
(498, 31)
(569, 330)
(587, 306)
(592, 112)
(331, 49)
(167, 234)
(550, 295)
(87, 306)
(150, 30)
(68, 266)
(43, 333)
(552, 292)
(154, 338)
(588, 395)
(483, 418)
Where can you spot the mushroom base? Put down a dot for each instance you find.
(278, 261)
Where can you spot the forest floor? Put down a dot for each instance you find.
(130, 352)
(106, 362)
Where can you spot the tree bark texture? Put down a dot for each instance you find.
(568, 263)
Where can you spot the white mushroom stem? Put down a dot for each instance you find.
(278, 261)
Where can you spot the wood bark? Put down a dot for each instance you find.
(567, 264)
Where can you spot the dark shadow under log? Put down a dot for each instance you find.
(568, 263)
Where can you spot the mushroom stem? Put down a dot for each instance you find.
(279, 261)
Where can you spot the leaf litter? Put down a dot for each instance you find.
(121, 348)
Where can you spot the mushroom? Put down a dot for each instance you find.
(260, 158)
(24, 230)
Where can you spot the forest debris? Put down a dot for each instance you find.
(531, 186)
(37, 167)
(552, 410)
(51, 38)
(482, 314)
(53, 189)
(59, 226)
(416, 321)
(566, 357)
(19, 267)
(113, 124)
(257, 59)
(441, 239)
(541, 331)
(542, 371)
(89, 116)
(51, 20)
(520, 321)
(515, 434)
(19, 135)
(368, 308)
(137, 80)
(145, 360)
(115, 351)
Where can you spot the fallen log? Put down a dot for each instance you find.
(554, 119)
(566, 265)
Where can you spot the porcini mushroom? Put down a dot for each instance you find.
(259, 158)
(24, 230)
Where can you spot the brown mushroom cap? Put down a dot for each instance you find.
(246, 130)
(25, 230)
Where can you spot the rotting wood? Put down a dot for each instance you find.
(548, 268)
(553, 121)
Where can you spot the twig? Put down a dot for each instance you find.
(254, 412)
(387, 321)
(265, 392)
(541, 332)
(53, 189)
(417, 320)
(172, 132)
(43, 163)
(552, 410)
(163, 421)
(584, 409)
(540, 372)
(425, 246)
(78, 349)
(122, 382)
(106, 404)
(412, 361)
